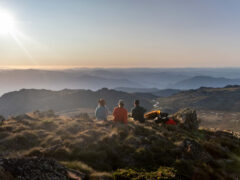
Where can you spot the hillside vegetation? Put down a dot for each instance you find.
(133, 151)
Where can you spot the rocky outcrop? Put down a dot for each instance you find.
(35, 168)
(188, 118)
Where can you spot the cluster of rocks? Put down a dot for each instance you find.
(35, 169)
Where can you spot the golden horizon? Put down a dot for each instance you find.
(57, 67)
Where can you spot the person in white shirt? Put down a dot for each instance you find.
(101, 111)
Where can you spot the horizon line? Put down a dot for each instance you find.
(102, 67)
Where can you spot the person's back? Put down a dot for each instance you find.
(101, 111)
(120, 113)
(138, 112)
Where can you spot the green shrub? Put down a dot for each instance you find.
(161, 173)
(79, 166)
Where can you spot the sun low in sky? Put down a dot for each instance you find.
(106, 33)
(7, 22)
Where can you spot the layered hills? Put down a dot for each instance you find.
(131, 79)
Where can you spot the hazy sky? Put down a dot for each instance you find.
(122, 33)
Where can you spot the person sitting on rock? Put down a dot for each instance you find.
(138, 112)
(101, 111)
(120, 113)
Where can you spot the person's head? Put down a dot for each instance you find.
(120, 103)
(136, 102)
(101, 102)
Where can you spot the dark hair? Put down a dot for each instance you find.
(101, 102)
(137, 102)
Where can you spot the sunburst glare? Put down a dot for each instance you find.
(7, 22)
(8, 26)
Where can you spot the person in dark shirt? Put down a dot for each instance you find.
(138, 112)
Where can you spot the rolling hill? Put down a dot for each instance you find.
(219, 99)
(153, 91)
(27, 100)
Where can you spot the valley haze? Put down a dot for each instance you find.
(97, 78)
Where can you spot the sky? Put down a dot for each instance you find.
(126, 33)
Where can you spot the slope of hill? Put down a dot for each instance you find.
(134, 90)
(141, 151)
(205, 81)
(153, 91)
(28, 100)
(217, 107)
(146, 96)
(220, 99)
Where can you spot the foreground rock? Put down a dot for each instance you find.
(35, 169)
(188, 117)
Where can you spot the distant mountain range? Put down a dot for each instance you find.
(219, 99)
(11, 80)
(130, 80)
(27, 100)
(205, 81)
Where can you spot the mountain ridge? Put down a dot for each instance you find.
(225, 99)
(205, 81)
(154, 91)
(27, 100)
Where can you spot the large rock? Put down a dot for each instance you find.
(188, 117)
(35, 168)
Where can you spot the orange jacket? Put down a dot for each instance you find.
(120, 115)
